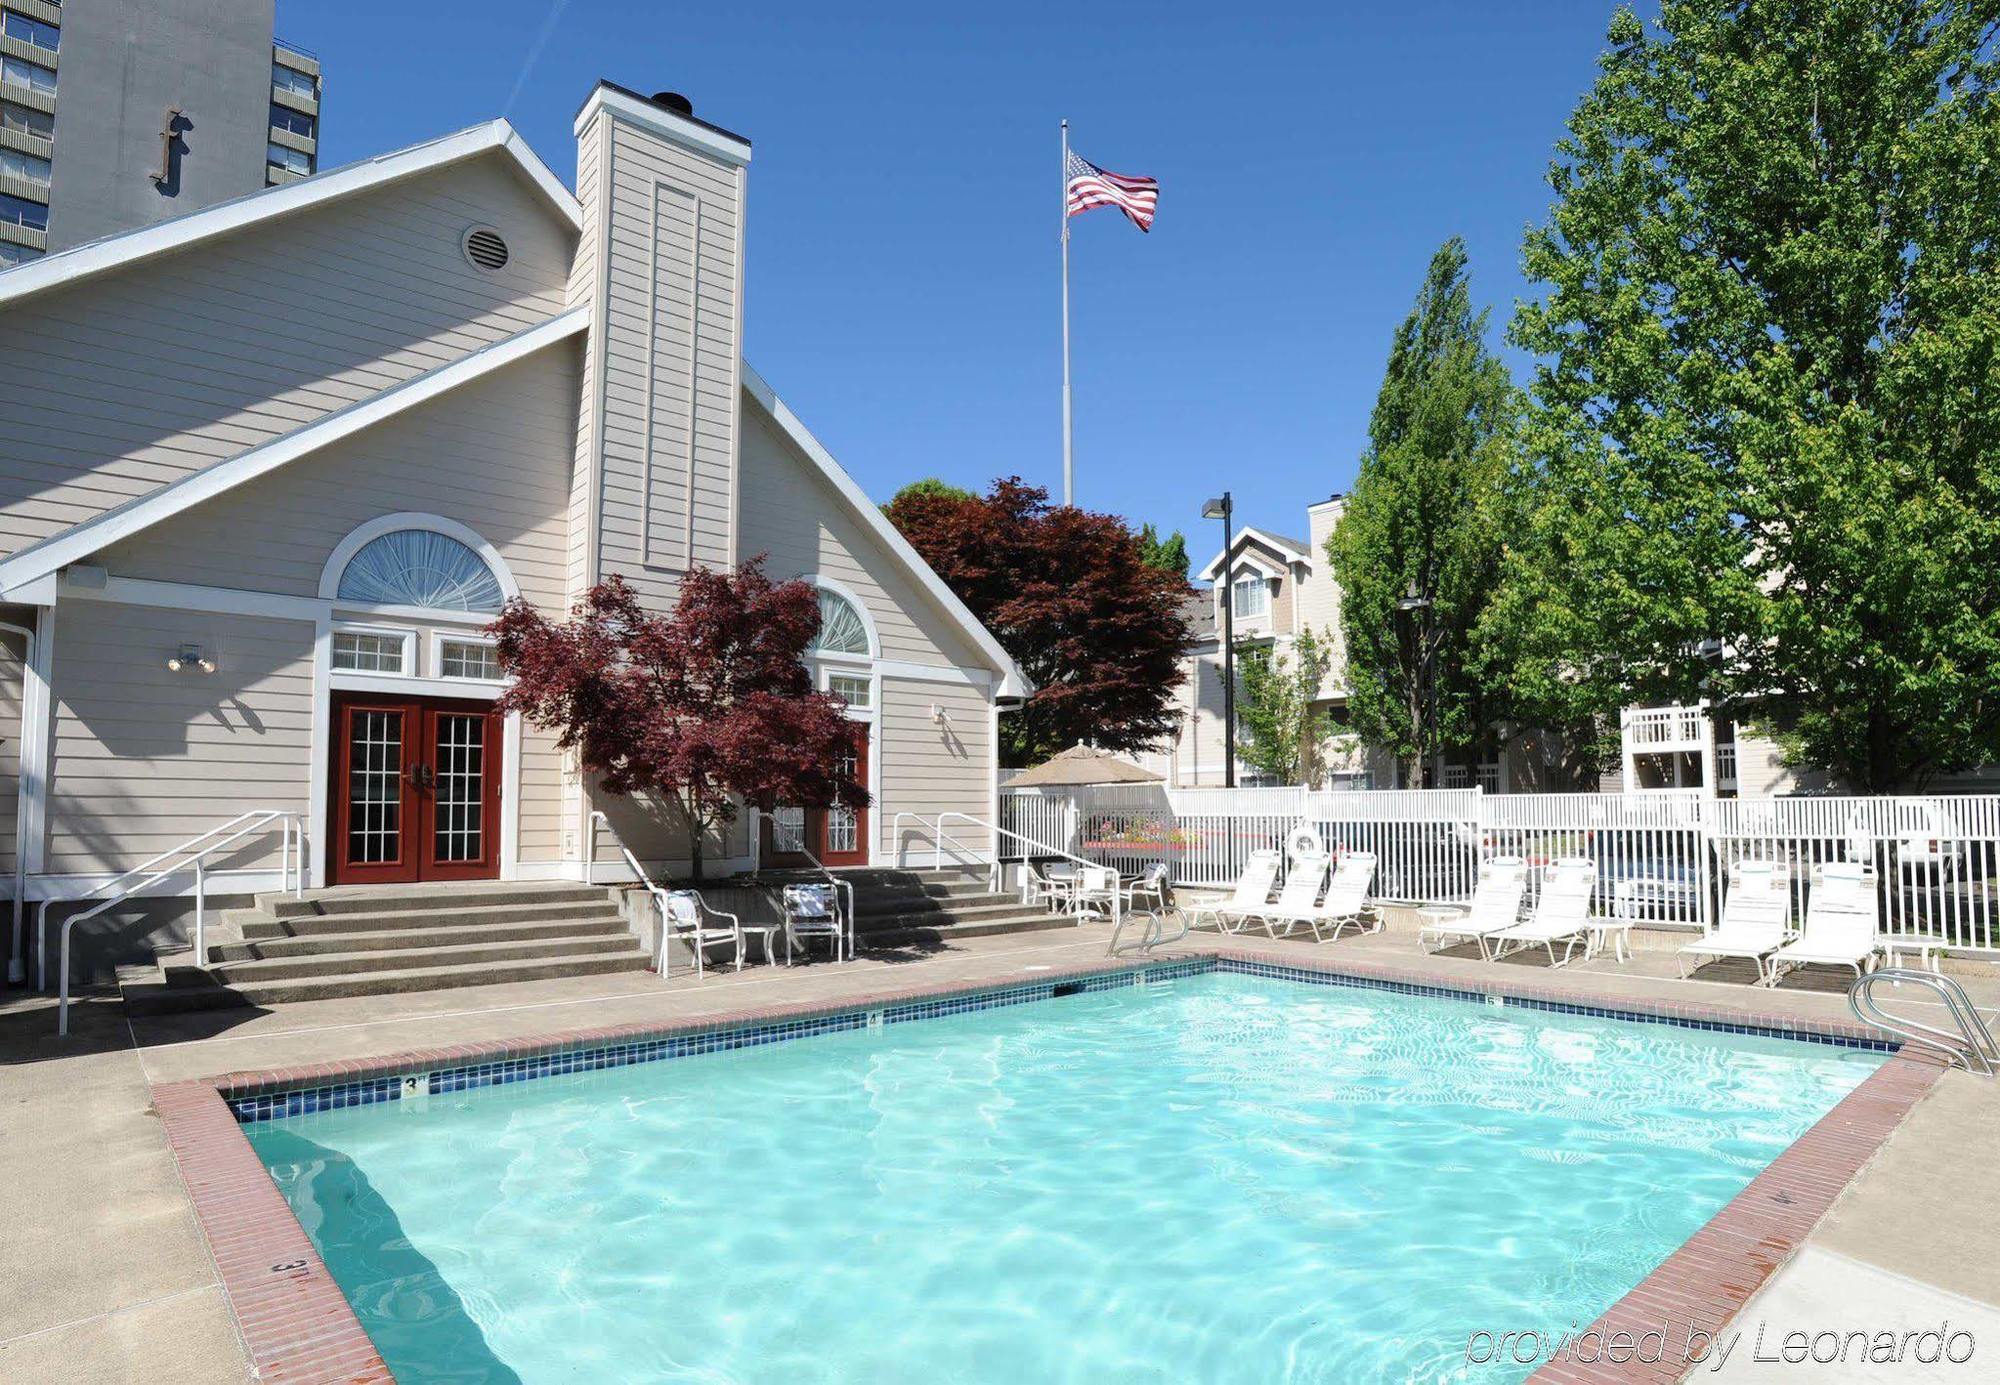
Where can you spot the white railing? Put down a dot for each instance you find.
(1028, 849)
(1663, 856)
(190, 855)
(1664, 728)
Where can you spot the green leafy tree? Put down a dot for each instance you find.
(1168, 555)
(1283, 734)
(1417, 549)
(932, 487)
(1767, 419)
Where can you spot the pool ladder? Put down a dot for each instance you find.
(1970, 1046)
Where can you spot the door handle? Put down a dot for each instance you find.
(422, 776)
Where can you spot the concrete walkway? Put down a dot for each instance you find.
(106, 1277)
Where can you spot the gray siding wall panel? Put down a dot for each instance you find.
(144, 758)
(804, 527)
(932, 769)
(495, 454)
(128, 382)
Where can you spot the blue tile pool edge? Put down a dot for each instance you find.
(725, 1036)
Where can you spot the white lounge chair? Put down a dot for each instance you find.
(1840, 925)
(1496, 905)
(1756, 919)
(684, 914)
(1253, 890)
(1298, 897)
(1562, 914)
(1346, 899)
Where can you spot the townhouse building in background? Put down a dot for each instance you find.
(115, 114)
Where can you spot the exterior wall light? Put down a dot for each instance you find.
(190, 658)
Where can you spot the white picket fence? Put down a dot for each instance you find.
(1662, 857)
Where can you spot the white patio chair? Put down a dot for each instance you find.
(1096, 890)
(1039, 887)
(1496, 905)
(812, 911)
(1298, 897)
(1146, 892)
(1346, 899)
(1840, 925)
(1756, 919)
(1253, 890)
(684, 914)
(1561, 915)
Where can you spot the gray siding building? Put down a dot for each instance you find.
(115, 114)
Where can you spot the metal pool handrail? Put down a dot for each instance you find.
(188, 855)
(1971, 1047)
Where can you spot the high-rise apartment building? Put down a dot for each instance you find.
(118, 113)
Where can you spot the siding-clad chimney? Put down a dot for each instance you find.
(661, 261)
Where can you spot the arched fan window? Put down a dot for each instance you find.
(840, 628)
(416, 567)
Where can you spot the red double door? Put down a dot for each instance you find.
(416, 790)
(837, 836)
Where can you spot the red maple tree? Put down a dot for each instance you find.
(710, 704)
(1070, 596)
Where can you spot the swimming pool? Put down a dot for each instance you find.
(1217, 1177)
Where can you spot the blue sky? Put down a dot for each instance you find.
(904, 205)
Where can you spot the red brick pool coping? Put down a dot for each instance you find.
(297, 1327)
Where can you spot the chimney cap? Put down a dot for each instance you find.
(673, 103)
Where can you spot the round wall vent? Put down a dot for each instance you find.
(485, 247)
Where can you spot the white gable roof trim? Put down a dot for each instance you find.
(225, 218)
(1013, 682)
(43, 559)
(1287, 547)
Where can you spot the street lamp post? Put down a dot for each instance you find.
(1223, 509)
(1410, 604)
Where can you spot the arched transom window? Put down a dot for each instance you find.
(418, 567)
(841, 629)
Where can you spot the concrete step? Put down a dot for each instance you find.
(479, 915)
(161, 998)
(1018, 922)
(362, 899)
(996, 906)
(890, 901)
(322, 944)
(406, 958)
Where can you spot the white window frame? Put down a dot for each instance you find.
(856, 669)
(436, 667)
(402, 634)
(1253, 581)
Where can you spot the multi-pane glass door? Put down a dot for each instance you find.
(416, 791)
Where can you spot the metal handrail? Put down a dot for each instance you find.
(939, 836)
(1971, 1048)
(658, 895)
(188, 855)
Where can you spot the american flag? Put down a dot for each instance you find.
(1090, 186)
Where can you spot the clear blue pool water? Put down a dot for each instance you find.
(1220, 1178)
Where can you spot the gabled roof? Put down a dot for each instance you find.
(1013, 682)
(1294, 550)
(79, 541)
(224, 218)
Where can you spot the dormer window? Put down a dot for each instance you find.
(1251, 597)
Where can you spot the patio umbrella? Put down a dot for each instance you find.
(1081, 765)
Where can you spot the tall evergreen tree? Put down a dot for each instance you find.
(1767, 422)
(1416, 551)
(1169, 555)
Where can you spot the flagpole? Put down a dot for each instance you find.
(1069, 446)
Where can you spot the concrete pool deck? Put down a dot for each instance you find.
(109, 1277)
